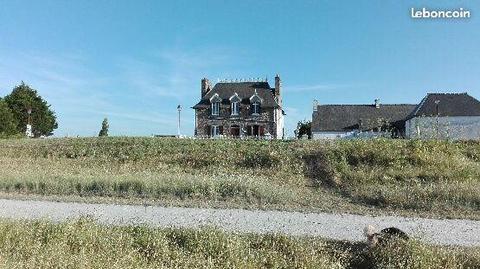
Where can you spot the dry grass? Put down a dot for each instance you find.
(84, 244)
(428, 178)
(418, 176)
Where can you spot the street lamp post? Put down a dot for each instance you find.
(28, 131)
(437, 122)
(179, 109)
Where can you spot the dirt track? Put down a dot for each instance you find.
(333, 226)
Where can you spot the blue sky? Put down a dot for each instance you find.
(135, 61)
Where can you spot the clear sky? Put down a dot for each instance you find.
(135, 61)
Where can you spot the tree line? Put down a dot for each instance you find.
(25, 106)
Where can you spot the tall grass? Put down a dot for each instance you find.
(146, 168)
(412, 176)
(84, 244)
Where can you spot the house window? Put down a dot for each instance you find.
(215, 131)
(256, 108)
(235, 108)
(256, 130)
(215, 108)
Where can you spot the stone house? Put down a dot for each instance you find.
(240, 109)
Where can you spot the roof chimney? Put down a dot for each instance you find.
(377, 103)
(278, 86)
(206, 86)
(315, 105)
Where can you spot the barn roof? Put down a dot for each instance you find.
(359, 117)
(449, 105)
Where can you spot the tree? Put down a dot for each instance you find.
(43, 119)
(104, 130)
(304, 128)
(8, 123)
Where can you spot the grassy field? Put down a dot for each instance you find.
(84, 244)
(426, 178)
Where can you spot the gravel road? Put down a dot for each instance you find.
(333, 226)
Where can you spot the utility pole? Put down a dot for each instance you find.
(179, 109)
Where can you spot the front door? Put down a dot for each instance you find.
(235, 131)
(255, 130)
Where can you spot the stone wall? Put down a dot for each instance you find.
(456, 128)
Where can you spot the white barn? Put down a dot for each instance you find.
(445, 116)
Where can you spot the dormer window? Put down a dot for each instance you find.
(216, 108)
(256, 102)
(215, 104)
(256, 108)
(235, 108)
(235, 104)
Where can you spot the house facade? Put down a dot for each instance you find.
(240, 109)
(445, 116)
(438, 116)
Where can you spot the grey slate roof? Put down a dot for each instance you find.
(363, 117)
(245, 90)
(449, 104)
